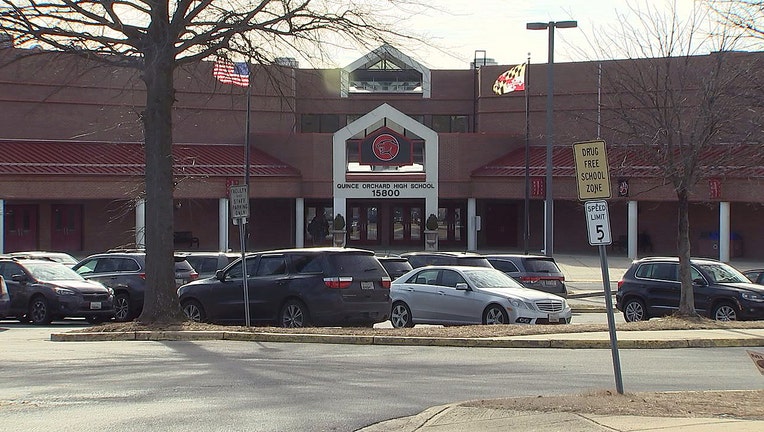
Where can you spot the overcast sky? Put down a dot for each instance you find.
(498, 28)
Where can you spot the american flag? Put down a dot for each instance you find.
(229, 72)
(511, 80)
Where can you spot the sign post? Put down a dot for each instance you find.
(593, 183)
(239, 214)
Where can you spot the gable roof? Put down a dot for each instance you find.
(389, 53)
(42, 157)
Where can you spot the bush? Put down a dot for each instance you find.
(432, 223)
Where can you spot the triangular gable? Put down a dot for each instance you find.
(390, 54)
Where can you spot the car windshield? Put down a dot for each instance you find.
(51, 272)
(490, 278)
(723, 273)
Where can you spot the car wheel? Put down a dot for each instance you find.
(400, 316)
(724, 312)
(294, 314)
(495, 314)
(39, 312)
(122, 311)
(634, 310)
(194, 311)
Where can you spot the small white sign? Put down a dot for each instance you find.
(758, 360)
(598, 223)
(239, 201)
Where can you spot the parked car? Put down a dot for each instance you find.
(60, 257)
(756, 276)
(124, 271)
(420, 259)
(395, 266)
(532, 271)
(5, 299)
(651, 288)
(42, 291)
(207, 264)
(470, 295)
(295, 288)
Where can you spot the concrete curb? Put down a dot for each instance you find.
(499, 342)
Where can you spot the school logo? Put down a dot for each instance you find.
(385, 147)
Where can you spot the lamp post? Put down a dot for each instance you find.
(549, 202)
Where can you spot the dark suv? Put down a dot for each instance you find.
(41, 291)
(295, 288)
(651, 288)
(125, 273)
(396, 266)
(532, 271)
(421, 259)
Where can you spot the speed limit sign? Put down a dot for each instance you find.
(598, 223)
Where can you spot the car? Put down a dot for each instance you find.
(532, 271)
(651, 288)
(5, 299)
(423, 258)
(124, 271)
(395, 265)
(61, 257)
(207, 264)
(756, 276)
(451, 295)
(41, 291)
(324, 286)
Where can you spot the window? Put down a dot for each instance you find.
(310, 263)
(426, 277)
(323, 123)
(271, 265)
(505, 266)
(450, 278)
(660, 271)
(450, 123)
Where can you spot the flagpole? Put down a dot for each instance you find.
(246, 158)
(526, 220)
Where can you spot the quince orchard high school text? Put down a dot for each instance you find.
(385, 142)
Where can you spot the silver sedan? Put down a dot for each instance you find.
(470, 295)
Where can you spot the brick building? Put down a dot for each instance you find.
(384, 141)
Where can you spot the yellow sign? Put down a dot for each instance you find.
(592, 171)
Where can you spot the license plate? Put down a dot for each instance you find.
(550, 283)
(95, 305)
(367, 285)
(553, 318)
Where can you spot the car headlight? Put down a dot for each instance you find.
(519, 304)
(753, 296)
(64, 292)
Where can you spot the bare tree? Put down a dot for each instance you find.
(157, 36)
(679, 106)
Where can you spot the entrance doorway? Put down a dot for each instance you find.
(66, 227)
(21, 232)
(501, 224)
(397, 224)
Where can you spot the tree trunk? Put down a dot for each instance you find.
(687, 297)
(160, 303)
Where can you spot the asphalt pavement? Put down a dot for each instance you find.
(585, 279)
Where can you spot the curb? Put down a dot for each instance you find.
(405, 341)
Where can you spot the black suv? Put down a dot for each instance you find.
(396, 266)
(125, 273)
(41, 291)
(295, 288)
(421, 259)
(532, 271)
(651, 288)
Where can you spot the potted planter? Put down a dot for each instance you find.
(338, 231)
(431, 233)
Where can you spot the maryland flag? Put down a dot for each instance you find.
(511, 80)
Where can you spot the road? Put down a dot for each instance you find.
(226, 385)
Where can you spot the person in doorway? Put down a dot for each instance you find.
(318, 228)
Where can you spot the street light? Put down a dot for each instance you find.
(549, 202)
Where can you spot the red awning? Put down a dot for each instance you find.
(36, 157)
(731, 161)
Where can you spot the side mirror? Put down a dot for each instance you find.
(21, 278)
(461, 286)
(699, 281)
(219, 275)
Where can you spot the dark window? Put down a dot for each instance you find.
(505, 266)
(271, 265)
(450, 278)
(324, 123)
(541, 266)
(310, 263)
(659, 271)
(128, 264)
(450, 123)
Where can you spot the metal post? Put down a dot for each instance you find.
(611, 319)
(526, 218)
(549, 199)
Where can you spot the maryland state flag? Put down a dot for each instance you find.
(511, 80)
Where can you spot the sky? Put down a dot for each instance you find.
(498, 27)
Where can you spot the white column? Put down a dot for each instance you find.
(472, 224)
(299, 226)
(140, 223)
(632, 232)
(223, 224)
(724, 231)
